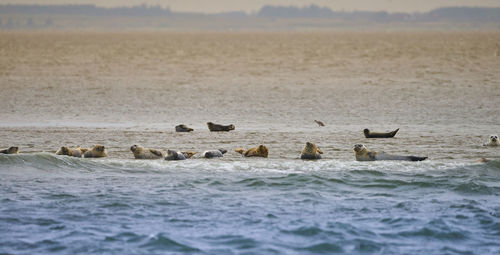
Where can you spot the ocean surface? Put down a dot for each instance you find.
(441, 89)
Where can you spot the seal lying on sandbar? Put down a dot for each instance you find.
(363, 154)
(259, 151)
(214, 153)
(369, 134)
(183, 128)
(216, 127)
(178, 155)
(76, 152)
(493, 141)
(98, 151)
(145, 153)
(311, 151)
(10, 150)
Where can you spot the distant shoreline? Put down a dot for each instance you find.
(269, 18)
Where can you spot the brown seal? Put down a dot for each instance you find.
(145, 153)
(259, 151)
(98, 151)
(311, 151)
(76, 152)
(369, 134)
(10, 150)
(217, 128)
(363, 154)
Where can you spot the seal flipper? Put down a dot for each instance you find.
(156, 152)
(393, 133)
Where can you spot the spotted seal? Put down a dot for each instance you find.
(214, 153)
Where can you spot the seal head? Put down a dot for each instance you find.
(493, 141)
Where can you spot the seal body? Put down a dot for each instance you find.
(145, 153)
(369, 134)
(218, 128)
(75, 152)
(98, 151)
(363, 154)
(10, 150)
(311, 151)
(259, 151)
(493, 141)
(214, 153)
(175, 155)
(182, 128)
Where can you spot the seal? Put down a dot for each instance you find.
(179, 155)
(369, 134)
(98, 151)
(320, 123)
(363, 154)
(311, 151)
(145, 153)
(214, 153)
(76, 152)
(493, 141)
(259, 151)
(10, 150)
(183, 128)
(175, 155)
(218, 128)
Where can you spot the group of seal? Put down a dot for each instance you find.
(211, 126)
(98, 151)
(310, 151)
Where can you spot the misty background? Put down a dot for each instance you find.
(240, 15)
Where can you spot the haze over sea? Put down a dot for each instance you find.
(123, 88)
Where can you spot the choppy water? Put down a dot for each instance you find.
(67, 205)
(120, 89)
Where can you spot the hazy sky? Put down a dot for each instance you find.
(211, 6)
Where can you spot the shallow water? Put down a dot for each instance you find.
(120, 89)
